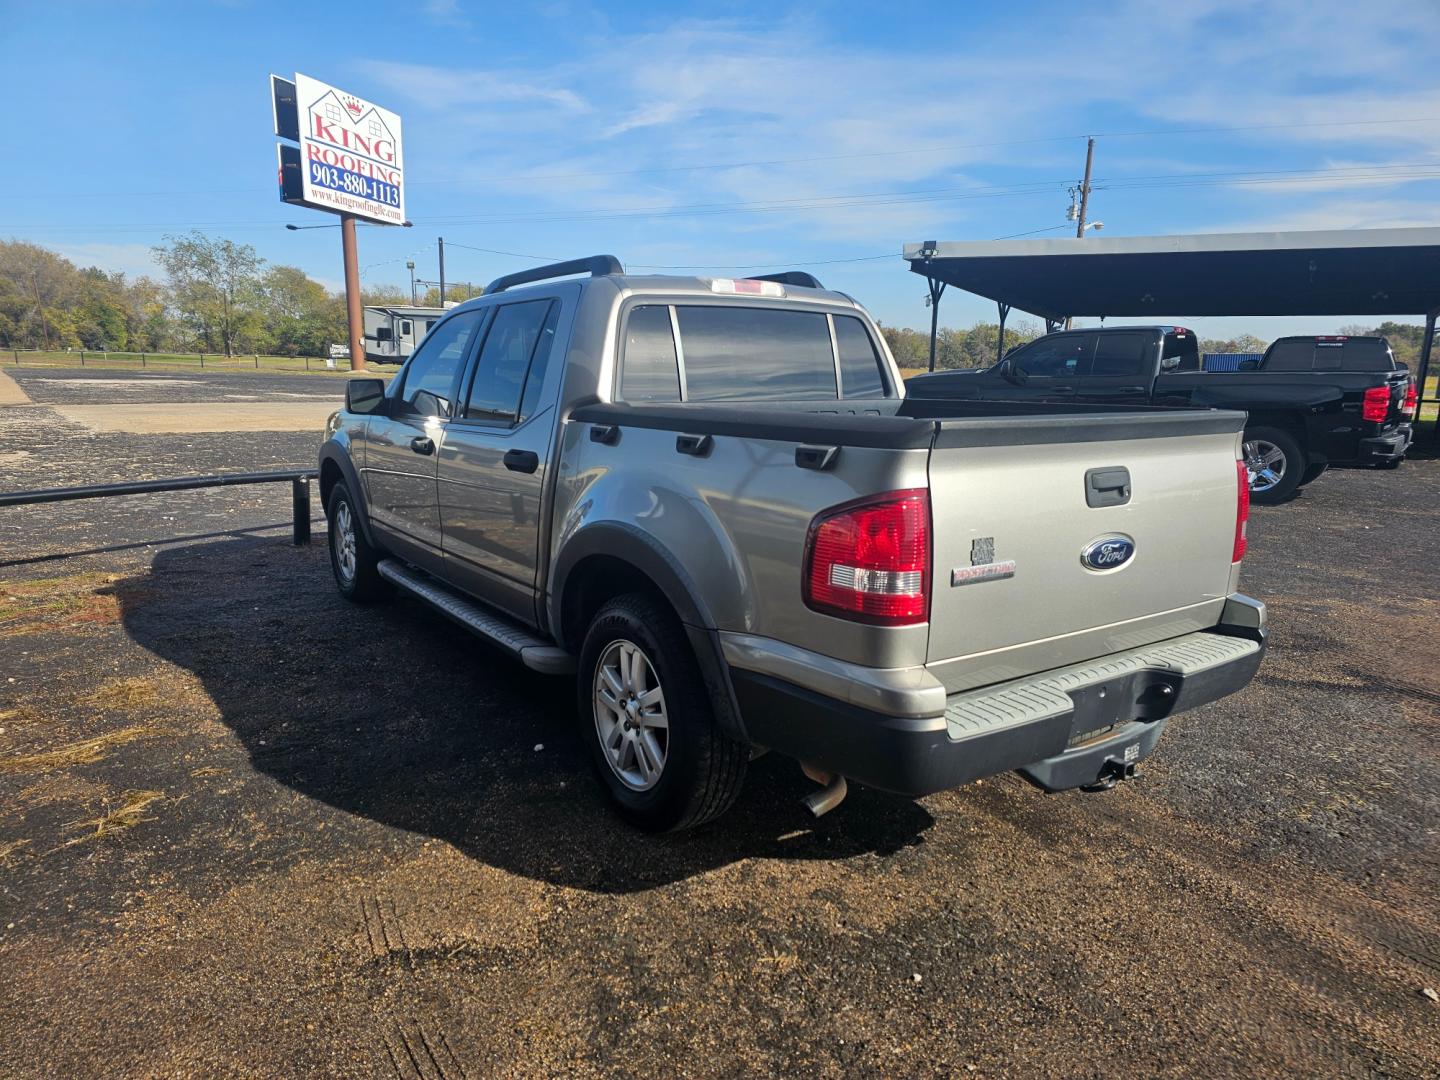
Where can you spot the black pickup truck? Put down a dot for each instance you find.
(1301, 421)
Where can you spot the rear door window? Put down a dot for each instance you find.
(650, 370)
(505, 360)
(860, 374)
(748, 353)
(1121, 354)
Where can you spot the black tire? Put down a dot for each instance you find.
(362, 584)
(1291, 463)
(1313, 473)
(1393, 463)
(702, 768)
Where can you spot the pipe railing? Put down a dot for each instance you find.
(299, 480)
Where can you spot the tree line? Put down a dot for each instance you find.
(220, 297)
(216, 296)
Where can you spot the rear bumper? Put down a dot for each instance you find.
(1062, 729)
(1387, 447)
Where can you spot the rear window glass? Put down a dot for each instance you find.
(1184, 346)
(1291, 356)
(1362, 355)
(739, 353)
(650, 371)
(1121, 354)
(859, 363)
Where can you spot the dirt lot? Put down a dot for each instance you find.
(249, 830)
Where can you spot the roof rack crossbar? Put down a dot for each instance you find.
(594, 265)
(797, 278)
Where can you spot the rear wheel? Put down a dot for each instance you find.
(352, 559)
(1274, 463)
(646, 716)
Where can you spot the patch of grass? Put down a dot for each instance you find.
(131, 693)
(85, 752)
(127, 815)
(9, 849)
(28, 607)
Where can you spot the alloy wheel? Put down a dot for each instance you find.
(630, 716)
(1265, 463)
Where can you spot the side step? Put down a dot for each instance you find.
(530, 650)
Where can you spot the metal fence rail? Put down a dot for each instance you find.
(299, 492)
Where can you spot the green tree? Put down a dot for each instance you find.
(455, 291)
(216, 288)
(40, 290)
(301, 317)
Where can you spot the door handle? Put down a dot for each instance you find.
(526, 461)
(1132, 389)
(422, 444)
(1062, 390)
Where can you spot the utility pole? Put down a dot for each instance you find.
(353, 306)
(1085, 188)
(1084, 198)
(410, 265)
(442, 271)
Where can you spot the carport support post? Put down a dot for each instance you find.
(1004, 309)
(1427, 344)
(300, 510)
(353, 306)
(937, 290)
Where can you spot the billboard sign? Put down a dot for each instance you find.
(350, 152)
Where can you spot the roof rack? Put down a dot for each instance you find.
(595, 266)
(791, 277)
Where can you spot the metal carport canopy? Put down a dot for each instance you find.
(1334, 272)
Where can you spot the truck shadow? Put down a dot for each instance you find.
(393, 714)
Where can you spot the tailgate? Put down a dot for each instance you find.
(1013, 591)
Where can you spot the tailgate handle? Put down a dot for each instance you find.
(694, 445)
(816, 457)
(1109, 486)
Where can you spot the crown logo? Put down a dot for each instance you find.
(352, 105)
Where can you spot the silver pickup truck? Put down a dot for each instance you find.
(710, 502)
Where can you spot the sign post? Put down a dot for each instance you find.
(354, 310)
(349, 162)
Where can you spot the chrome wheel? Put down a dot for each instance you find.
(1265, 463)
(342, 540)
(630, 716)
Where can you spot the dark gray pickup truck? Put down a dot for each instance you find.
(709, 502)
(1300, 421)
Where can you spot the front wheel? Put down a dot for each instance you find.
(1274, 463)
(352, 559)
(647, 718)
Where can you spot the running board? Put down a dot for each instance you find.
(534, 653)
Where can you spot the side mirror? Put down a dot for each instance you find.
(1018, 376)
(1249, 365)
(364, 396)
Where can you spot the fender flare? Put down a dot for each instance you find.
(629, 544)
(331, 453)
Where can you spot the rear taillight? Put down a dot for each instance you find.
(1242, 510)
(1412, 397)
(870, 560)
(1376, 405)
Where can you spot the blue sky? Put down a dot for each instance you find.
(729, 135)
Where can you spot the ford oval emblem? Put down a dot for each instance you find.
(1107, 553)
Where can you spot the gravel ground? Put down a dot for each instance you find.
(249, 830)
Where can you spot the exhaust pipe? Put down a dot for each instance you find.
(821, 802)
